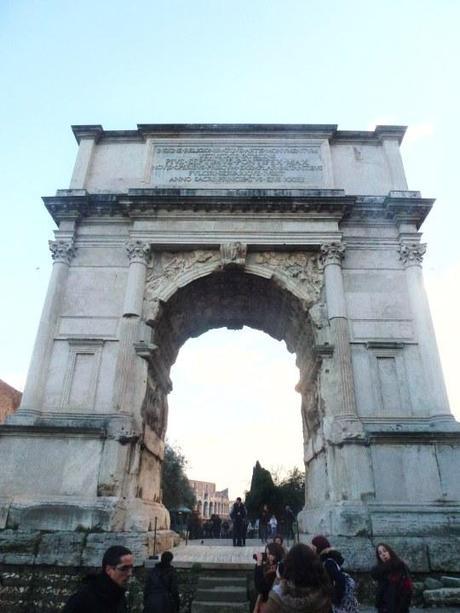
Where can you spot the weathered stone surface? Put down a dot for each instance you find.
(96, 544)
(444, 554)
(4, 510)
(78, 514)
(359, 552)
(450, 581)
(443, 597)
(141, 544)
(419, 587)
(18, 547)
(432, 584)
(61, 549)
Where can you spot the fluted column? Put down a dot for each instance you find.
(138, 254)
(62, 252)
(411, 255)
(332, 255)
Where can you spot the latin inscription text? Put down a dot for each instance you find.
(237, 164)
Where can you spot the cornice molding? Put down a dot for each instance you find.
(270, 130)
(397, 207)
(89, 131)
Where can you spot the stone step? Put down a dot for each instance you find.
(450, 581)
(446, 596)
(220, 607)
(221, 594)
(219, 580)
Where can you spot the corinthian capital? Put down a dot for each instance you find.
(62, 251)
(138, 251)
(411, 254)
(332, 253)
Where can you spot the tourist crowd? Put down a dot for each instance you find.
(311, 579)
(305, 579)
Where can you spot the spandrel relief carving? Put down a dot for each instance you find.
(303, 268)
(167, 268)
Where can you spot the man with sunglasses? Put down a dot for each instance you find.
(105, 592)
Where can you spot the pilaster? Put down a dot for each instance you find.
(332, 255)
(138, 254)
(62, 252)
(411, 255)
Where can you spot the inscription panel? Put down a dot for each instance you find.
(238, 165)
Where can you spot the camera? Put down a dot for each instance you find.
(264, 556)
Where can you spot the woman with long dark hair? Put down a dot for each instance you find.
(304, 586)
(265, 572)
(394, 585)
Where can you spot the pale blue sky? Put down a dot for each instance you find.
(346, 62)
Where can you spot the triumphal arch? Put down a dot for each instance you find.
(306, 232)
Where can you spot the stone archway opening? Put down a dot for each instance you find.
(227, 297)
(234, 403)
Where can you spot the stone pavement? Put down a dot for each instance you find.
(216, 556)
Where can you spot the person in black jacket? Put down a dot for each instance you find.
(161, 594)
(263, 523)
(105, 592)
(288, 521)
(394, 586)
(238, 516)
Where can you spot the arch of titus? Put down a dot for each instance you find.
(306, 232)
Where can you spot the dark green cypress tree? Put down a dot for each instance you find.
(262, 491)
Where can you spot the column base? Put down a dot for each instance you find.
(380, 520)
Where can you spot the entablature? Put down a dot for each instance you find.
(397, 207)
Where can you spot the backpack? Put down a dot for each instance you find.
(349, 602)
